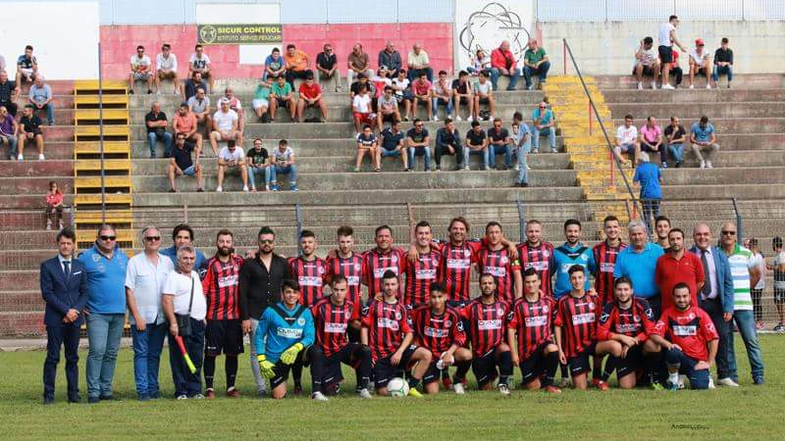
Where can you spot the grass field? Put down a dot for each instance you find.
(750, 413)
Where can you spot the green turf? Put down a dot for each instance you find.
(750, 413)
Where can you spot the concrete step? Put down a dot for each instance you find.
(35, 185)
(34, 199)
(18, 300)
(25, 280)
(743, 81)
(35, 238)
(722, 191)
(687, 96)
(22, 324)
(24, 220)
(729, 125)
(37, 168)
(762, 109)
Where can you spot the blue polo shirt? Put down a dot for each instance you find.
(640, 268)
(702, 134)
(648, 174)
(171, 253)
(547, 116)
(105, 280)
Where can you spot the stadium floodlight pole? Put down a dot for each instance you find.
(101, 134)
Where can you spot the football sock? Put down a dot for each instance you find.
(655, 366)
(551, 363)
(209, 371)
(230, 365)
(505, 366)
(413, 382)
(673, 377)
(297, 373)
(610, 366)
(564, 372)
(461, 371)
(596, 371)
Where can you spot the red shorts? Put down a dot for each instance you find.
(362, 118)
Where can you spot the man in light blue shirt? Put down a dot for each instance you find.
(184, 235)
(542, 122)
(704, 141)
(40, 96)
(638, 262)
(523, 145)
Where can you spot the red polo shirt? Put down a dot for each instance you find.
(311, 91)
(670, 271)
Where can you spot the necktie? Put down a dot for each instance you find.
(706, 290)
(66, 269)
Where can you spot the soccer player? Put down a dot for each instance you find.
(662, 226)
(284, 333)
(575, 327)
(439, 329)
(531, 320)
(377, 261)
(224, 331)
(534, 253)
(572, 252)
(346, 263)
(421, 273)
(333, 316)
(487, 321)
(689, 338)
(457, 258)
(496, 259)
(605, 254)
(623, 332)
(386, 330)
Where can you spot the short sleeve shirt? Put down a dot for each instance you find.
(390, 140)
(779, 276)
(281, 91)
(498, 135)
(180, 286)
(362, 103)
(417, 137)
(626, 135)
(387, 106)
(546, 118)
(224, 120)
(151, 117)
(359, 61)
(702, 134)
(648, 57)
(699, 58)
(533, 57)
(236, 155)
(169, 62)
(476, 138)
(679, 132)
(182, 156)
(298, 61)
(311, 91)
(40, 94)
(420, 59)
(26, 62)
(665, 34)
(198, 106)
(400, 85)
(184, 124)
(368, 141)
(421, 88)
(143, 63)
(325, 61)
(262, 92)
(31, 124)
(199, 63)
(283, 156)
(650, 134)
(483, 89)
(257, 157)
(274, 65)
(461, 88)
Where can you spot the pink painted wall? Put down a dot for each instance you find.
(119, 43)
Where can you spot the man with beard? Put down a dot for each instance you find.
(605, 254)
(346, 263)
(495, 259)
(572, 252)
(421, 273)
(379, 260)
(537, 255)
(678, 266)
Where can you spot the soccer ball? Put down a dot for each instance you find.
(398, 387)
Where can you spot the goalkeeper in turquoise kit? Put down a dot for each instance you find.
(283, 336)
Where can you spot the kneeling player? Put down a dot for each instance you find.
(537, 355)
(487, 319)
(439, 329)
(623, 332)
(386, 330)
(333, 316)
(284, 333)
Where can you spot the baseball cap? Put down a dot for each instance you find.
(699, 42)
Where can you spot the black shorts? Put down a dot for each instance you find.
(484, 368)
(463, 100)
(534, 366)
(666, 53)
(389, 117)
(223, 336)
(282, 102)
(384, 371)
(282, 370)
(432, 375)
(632, 363)
(332, 364)
(646, 148)
(484, 101)
(647, 71)
(579, 364)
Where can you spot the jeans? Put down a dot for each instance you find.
(420, 151)
(253, 172)
(50, 113)
(745, 321)
(442, 149)
(413, 74)
(677, 152)
(185, 382)
(467, 152)
(68, 337)
(722, 70)
(448, 103)
(494, 150)
(699, 379)
(714, 309)
(651, 209)
(277, 169)
(550, 131)
(148, 345)
(12, 140)
(103, 335)
(495, 73)
(541, 71)
(152, 138)
(523, 173)
(257, 374)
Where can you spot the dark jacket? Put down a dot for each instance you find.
(61, 293)
(260, 288)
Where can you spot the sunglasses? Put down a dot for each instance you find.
(266, 241)
(729, 233)
(152, 238)
(107, 238)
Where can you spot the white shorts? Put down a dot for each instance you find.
(257, 103)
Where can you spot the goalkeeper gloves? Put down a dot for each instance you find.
(290, 354)
(266, 367)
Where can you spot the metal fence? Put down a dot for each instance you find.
(657, 10)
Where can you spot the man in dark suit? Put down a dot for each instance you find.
(64, 289)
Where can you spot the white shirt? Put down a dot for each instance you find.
(144, 61)
(179, 286)
(484, 89)
(166, 63)
(362, 103)
(199, 63)
(699, 58)
(648, 57)
(665, 34)
(147, 281)
(227, 156)
(70, 261)
(626, 135)
(712, 273)
(760, 262)
(225, 120)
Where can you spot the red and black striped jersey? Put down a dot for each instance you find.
(352, 269)
(501, 267)
(540, 258)
(533, 321)
(577, 316)
(487, 324)
(220, 286)
(605, 262)
(376, 263)
(419, 277)
(636, 321)
(455, 268)
(331, 323)
(387, 325)
(437, 332)
(692, 330)
(310, 277)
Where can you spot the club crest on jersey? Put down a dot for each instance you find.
(546, 254)
(591, 306)
(398, 315)
(500, 311)
(636, 319)
(357, 267)
(301, 321)
(320, 270)
(447, 323)
(504, 260)
(394, 259)
(96, 258)
(467, 253)
(545, 309)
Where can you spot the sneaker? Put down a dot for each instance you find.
(449, 116)
(563, 383)
(261, 393)
(182, 397)
(527, 167)
(491, 118)
(365, 394)
(758, 381)
(149, 92)
(516, 167)
(552, 389)
(530, 87)
(253, 189)
(41, 157)
(245, 189)
(779, 328)
(535, 151)
(219, 189)
(131, 92)
(470, 118)
(673, 387)
(708, 164)
(654, 85)
(711, 384)
(48, 225)
(667, 87)
(458, 118)
(664, 164)
(233, 393)
(413, 392)
(466, 168)
(708, 86)
(61, 225)
(318, 396)
(157, 92)
(458, 388)
(435, 118)
(177, 92)
(554, 150)
(640, 85)
(703, 164)
(275, 188)
(727, 382)
(293, 187)
(198, 397)
(728, 85)
(504, 389)
(692, 86)
(20, 157)
(209, 394)
(678, 164)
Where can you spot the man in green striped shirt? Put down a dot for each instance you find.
(745, 274)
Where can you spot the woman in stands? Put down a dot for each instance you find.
(54, 206)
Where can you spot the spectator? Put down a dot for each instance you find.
(650, 178)
(421, 92)
(392, 144)
(40, 96)
(380, 81)
(418, 141)
(9, 130)
(481, 62)
(503, 63)
(391, 59)
(675, 138)
(535, 61)
(9, 93)
(261, 99)
(704, 141)
(26, 66)
(237, 106)
(361, 107)
(310, 96)
(662, 226)
(522, 149)
(231, 159)
(638, 262)
(499, 143)
(483, 94)
(387, 108)
(675, 68)
(283, 164)
(156, 123)
(141, 70)
(542, 122)
(403, 93)
(650, 139)
(646, 63)
(181, 164)
(296, 62)
(258, 164)
(367, 143)
(448, 142)
(54, 207)
(200, 62)
(185, 122)
(757, 290)
(166, 67)
(274, 65)
(419, 63)
(199, 105)
(462, 94)
(30, 131)
(193, 83)
(358, 64)
(700, 60)
(281, 95)
(442, 94)
(667, 38)
(362, 80)
(778, 267)
(626, 141)
(678, 266)
(477, 144)
(723, 62)
(224, 125)
(327, 66)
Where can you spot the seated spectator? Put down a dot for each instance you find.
(723, 62)
(387, 108)
(675, 138)
(296, 62)
(327, 66)
(166, 68)
(30, 131)
(362, 80)
(535, 61)
(499, 143)
(237, 106)
(9, 130)
(483, 94)
(448, 142)
(379, 81)
(281, 95)
(650, 140)
(543, 122)
(181, 164)
(274, 65)
(358, 63)
(231, 159)
(403, 93)
(258, 163)
(26, 66)
(156, 123)
(392, 144)
(462, 94)
(481, 62)
(224, 125)
(9, 93)
(193, 83)
(390, 58)
(503, 63)
(626, 141)
(650, 178)
(647, 62)
(54, 207)
(283, 164)
(421, 92)
(40, 96)
(185, 122)
(442, 94)
(141, 70)
(418, 141)
(199, 105)
(703, 140)
(476, 144)
(678, 73)
(367, 143)
(419, 63)
(523, 146)
(261, 99)
(310, 96)
(700, 62)
(200, 62)
(361, 109)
